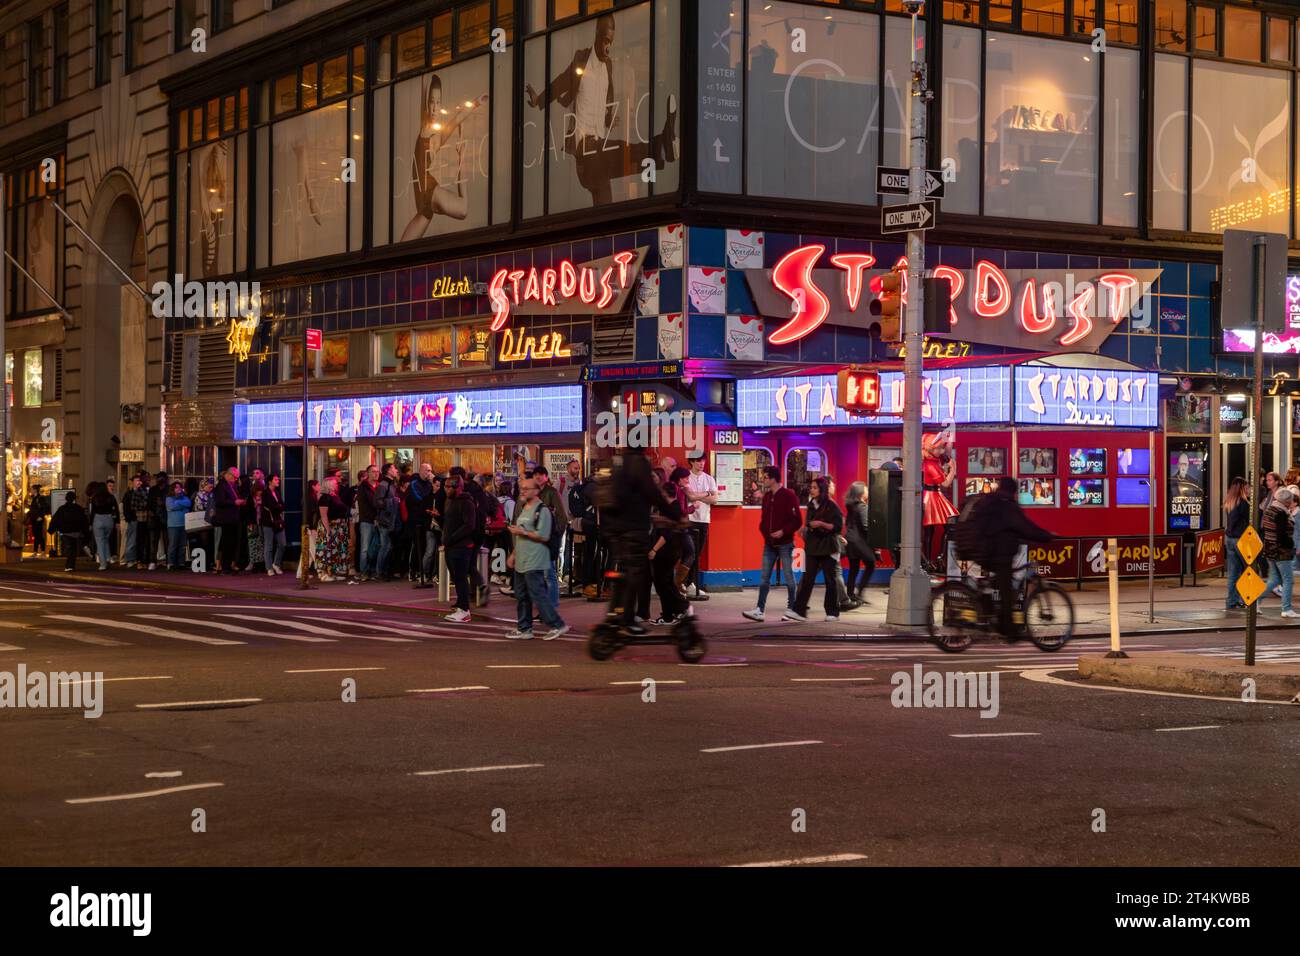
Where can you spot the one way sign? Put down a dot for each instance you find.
(919, 215)
(896, 181)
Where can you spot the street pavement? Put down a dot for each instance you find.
(463, 748)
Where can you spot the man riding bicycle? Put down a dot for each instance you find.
(1002, 528)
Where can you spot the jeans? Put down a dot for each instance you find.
(368, 542)
(385, 549)
(1236, 565)
(273, 543)
(128, 552)
(782, 554)
(700, 533)
(102, 526)
(532, 589)
(176, 547)
(458, 562)
(428, 564)
(553, 585)
(1280, 572)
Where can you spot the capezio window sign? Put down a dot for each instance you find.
(517, 411)
(1041, 310)
(1043, 396)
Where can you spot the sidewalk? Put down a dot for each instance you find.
(1186, 609)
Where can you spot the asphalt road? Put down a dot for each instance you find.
(462, 748)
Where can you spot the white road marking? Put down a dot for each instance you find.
(1044, 676)
(143, 628)
(1169, 730)
(825, 680)
(236, 629)
(784, 743)
(445, 690)
(1018, 733)
(14, 624)
(386, 640)
(280, 622)
(43, 598)
(10, 647)
(331, 670)
(145, 793)
(712, 665)
(504, 766)
(84, 638)
(164, 773)
(91, 680)
(201, 703)
(807, 860)
(621, 683)
(520, 667)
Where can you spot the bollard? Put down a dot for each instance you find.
(484, 575)
(1112, 575)
(444, 579)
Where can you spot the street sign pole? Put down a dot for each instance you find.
(1257, 450)
(303, 583)
(909, 587)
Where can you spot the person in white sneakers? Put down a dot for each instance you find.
(459, 525)
(702, 492)
(821, 549)
(780, 520)
(531, 561)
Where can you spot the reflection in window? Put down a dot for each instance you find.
(963, 11)
(1122, 21)
(1241, 36)
(1207, 30)
(802, 465)
(33, 368)
(330, 362)
(1171, 24)
(1169, 151)
(1043, 16)
(1040, 106)
(472, 345)
(755, 460)
(1120, 185)
(999, 11)
(961, 116)
(1279, 40)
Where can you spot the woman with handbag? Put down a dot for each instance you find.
(271, 523)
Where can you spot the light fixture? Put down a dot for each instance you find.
(1237, 398)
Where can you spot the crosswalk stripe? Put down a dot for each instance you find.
(236, 629)
(309, 628)
(10, 647)
(84, 638)
(141, 628)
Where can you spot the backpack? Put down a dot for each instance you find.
(557, 536)
(969, 536)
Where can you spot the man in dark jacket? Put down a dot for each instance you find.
(483, 509)
(627, 523)
(419, 498)
(460, 524)
(780, 520)
(135, 512)
(227, 506)
(71, 522)
(367, 536)
(1004, 527)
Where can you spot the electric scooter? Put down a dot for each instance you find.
(611, 635)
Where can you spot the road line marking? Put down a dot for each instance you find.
(505, 667)
(331, 670)
(503, 766)
(84, 638)
(712, 665)
(786, 743)
(10, 647)
(164, 773)
(14, 624)
(386, 640)
(201, 703)
(825, 680)
(1045, 677)
(91, 680)
(806, 860)
(309, 628)
(1014, 733)
(143, 628)
(621, 683)
(235, 628)
(145, 793)
(445, 690)
(1169, 730)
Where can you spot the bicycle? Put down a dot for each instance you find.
(959, 612)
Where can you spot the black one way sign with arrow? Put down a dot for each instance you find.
(896, 181)
(919, 215)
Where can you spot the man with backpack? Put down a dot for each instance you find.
(990, 529)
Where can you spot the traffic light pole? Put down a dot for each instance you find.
(909, 587)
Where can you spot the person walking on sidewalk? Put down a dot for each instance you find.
(38, 510)
(73, 527)
(860, 553)
(178, 503)
(821, 545)
(460, 526)
(779, 522)
(1279, 547)
(702, 492)
(531, 560)
(103, 516)
(1236, 518)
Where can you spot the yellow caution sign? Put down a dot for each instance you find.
(1249, 545)
(1250, 586)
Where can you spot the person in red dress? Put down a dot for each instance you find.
(937, 472)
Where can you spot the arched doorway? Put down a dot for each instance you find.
(113, 339)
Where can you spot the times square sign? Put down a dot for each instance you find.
(1040, 310)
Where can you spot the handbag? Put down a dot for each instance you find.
(197, 521)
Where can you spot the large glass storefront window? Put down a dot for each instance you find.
(756, 459)
(1169, 173)
(1119, 185)
(802, 465)
(331, 361)
(212, 186)
(961, 117)
(427, 350)
(33, 377)
(34, 236)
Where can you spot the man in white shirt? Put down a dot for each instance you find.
(702, 492)
(586, 88)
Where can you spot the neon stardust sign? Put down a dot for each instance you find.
(1067, 314)
(593, 286)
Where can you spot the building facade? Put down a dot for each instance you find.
(508, 215)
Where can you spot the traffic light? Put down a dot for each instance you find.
(888, 303)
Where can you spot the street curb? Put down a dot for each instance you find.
(1193, 673)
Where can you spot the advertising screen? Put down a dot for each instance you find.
(1087, 492)
(1038, 461)
(986, 461)
(1087, 461)
(1133, 461)
(1038, 492)
(1132, 491)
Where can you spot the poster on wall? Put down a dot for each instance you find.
(597, 103)
(308, 207)
(557, 461)
(1186, 486)
(212, 212)
(441, 151)
(745, 337)
(670, 336)
(729, 473)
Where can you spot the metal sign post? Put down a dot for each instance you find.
(1261, 254)
(909, 586)
(308, 340)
